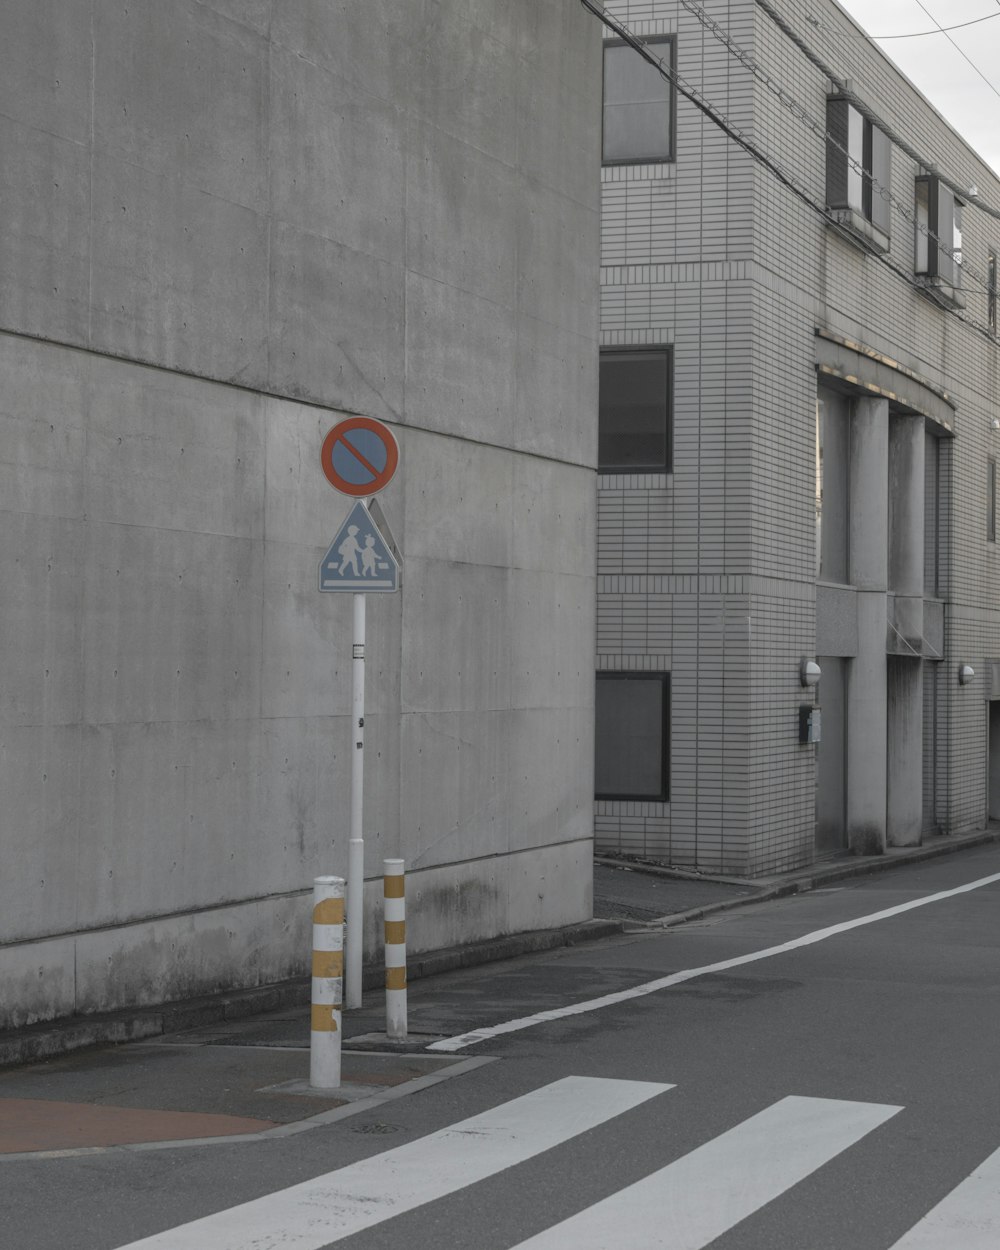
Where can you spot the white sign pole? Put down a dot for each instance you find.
(356, 853)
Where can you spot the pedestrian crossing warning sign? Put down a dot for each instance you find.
(359, 558)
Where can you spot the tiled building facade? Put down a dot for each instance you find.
(825, 489)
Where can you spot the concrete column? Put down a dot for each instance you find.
(866, 683)
(905, 751)
(905, 702)
(906, 505)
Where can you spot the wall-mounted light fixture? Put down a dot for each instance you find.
(809, 672)
(965, 674)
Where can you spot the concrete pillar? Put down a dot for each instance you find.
(905, 751)
(866, 683)
(905, 702)
(906, 506)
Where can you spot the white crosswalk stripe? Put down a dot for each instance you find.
(689, 1203)
(685, 1205)
(338, 1204)
(968, 1219)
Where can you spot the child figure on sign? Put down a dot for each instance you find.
(368, 558)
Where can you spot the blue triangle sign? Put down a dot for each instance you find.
(359, 558)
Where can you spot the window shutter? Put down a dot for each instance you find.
(944, 228)
(837, 123)
(881, 170)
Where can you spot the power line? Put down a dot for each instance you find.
(848, 93)
(799, 111)
(940, 30)
(774, 167)
(958, 49)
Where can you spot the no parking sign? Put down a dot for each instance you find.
(359, 456)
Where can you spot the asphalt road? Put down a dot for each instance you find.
(824, 1097)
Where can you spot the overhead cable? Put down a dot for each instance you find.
(818, 128)
(845, 89)
(786, 178)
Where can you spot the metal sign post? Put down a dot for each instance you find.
(359, 457)
(356, 848)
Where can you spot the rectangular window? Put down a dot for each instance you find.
(632, 736)
(991, 291)
(991, 501)
(638, 104)
(858, 171)
(634, 424)
(939, 231)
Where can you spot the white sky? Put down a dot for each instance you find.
(938, 68)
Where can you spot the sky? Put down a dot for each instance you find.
(935, 65)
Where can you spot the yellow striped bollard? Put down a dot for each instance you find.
(327, 982)
(394, 897)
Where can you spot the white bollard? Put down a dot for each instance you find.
(327, 982)
(394, 898)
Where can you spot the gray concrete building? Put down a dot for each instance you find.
(798, 445)
(227, 224)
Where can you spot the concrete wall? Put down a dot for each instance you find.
(227, 225)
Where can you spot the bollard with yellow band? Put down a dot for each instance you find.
(393, 890)
(327, 982)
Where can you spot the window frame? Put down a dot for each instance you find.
(991, 500)
(645, 349)
(934, 200)
(651, 41)
(851, 196)
(663, 677)
(991, 290)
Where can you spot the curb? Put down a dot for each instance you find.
(54, 1038)
(818, 877)
(46, 1041)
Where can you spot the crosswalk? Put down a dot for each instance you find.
(684, 1205)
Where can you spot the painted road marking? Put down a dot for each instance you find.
(968, 1218)
(689, 1203)
(677, 978)
(334, 1206)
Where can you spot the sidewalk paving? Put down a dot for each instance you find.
(238, 1065)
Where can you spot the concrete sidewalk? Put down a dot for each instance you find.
(237, 1065)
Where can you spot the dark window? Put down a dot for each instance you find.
(638, 104)
(991, 291)
(991, 501)
(939, 231)
(858, 166)
(632, 735)
(634, 426)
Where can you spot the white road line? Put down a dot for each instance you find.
(331, 1207)
(689, 1203)
(968, 1218)
(676, 978)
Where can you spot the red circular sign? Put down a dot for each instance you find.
(359, 456)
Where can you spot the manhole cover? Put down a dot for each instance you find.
(377, 1127)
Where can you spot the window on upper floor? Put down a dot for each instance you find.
(991, 292)
(632, 736)
(638, 104)
(939, 232)
(634, 429)
(858, 173)
(991, 501)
